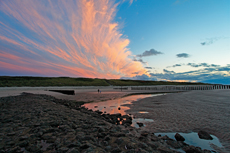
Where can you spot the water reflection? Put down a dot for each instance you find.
(116, 106)
(193, 139)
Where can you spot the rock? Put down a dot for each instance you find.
(85, 146)
(144, 134)
(23, 143)
(63, 149)
(165, 137)
(11, 134)
(23, 138)
(164, 149)
(101, 135)
(174, 144)
(116, 150)
(73, 150)
(142, 145)
(192, 149)
(179, 137)
(140, 124)
(206, 151)
(130, 145)
(119, 141)
(204, 135)
(108, 148)
(47, 136)
(118, 134)
(105, 143)
(107, 138)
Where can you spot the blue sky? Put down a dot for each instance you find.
(199, 30)
(173, 40)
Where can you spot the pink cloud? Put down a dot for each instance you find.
(76, 38)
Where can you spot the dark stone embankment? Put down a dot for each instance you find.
(42, 123)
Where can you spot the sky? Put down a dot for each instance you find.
(173, 40)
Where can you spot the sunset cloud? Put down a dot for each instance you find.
(74, 38)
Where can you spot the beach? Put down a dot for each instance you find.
(172, 112)
(188, 112)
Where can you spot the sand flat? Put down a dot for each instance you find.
(188, 111)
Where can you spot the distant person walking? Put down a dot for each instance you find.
(98, 90)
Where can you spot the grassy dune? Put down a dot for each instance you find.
(8, 81)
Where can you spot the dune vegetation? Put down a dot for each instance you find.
(28, 81)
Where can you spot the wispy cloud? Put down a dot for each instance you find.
(75, 38)
(202, 65)
(183, 55)
(210, 41)
(148, 67)
(139, 60)
(151, 52)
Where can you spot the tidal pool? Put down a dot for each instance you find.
(193, 139)
(116, 106)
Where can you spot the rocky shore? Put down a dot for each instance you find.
(41, 123)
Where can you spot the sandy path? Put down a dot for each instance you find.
(187, 112)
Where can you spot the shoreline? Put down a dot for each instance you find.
(151, 127)
(42, 123)
(187, 112)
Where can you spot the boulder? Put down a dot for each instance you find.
(179, 137)
(192, 149)
(140, 124)
(204, 135)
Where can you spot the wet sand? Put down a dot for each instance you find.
(187, 112)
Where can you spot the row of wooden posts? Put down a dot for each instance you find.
(206, 87)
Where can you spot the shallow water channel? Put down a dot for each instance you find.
(116, 106)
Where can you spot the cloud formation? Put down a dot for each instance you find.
(210, 41)
(56, 38)
(218, 74)
(139, 60)
(202, 65)
(151, 52)
(182, 55)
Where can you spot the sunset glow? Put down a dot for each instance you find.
(174, 40)
(59, 38)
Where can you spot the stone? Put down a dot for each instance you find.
(119, 141)
(174, 144)
(140, 124)
(118, 134)
(11, 134)
(116, 150)
(107, 138)
(204, 135)
(23, 143)
(192, 149)
(144, 134)
(23, 138)
(73, 150)
(108, 148)
(179, 137)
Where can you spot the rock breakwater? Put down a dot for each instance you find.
(42, 123)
